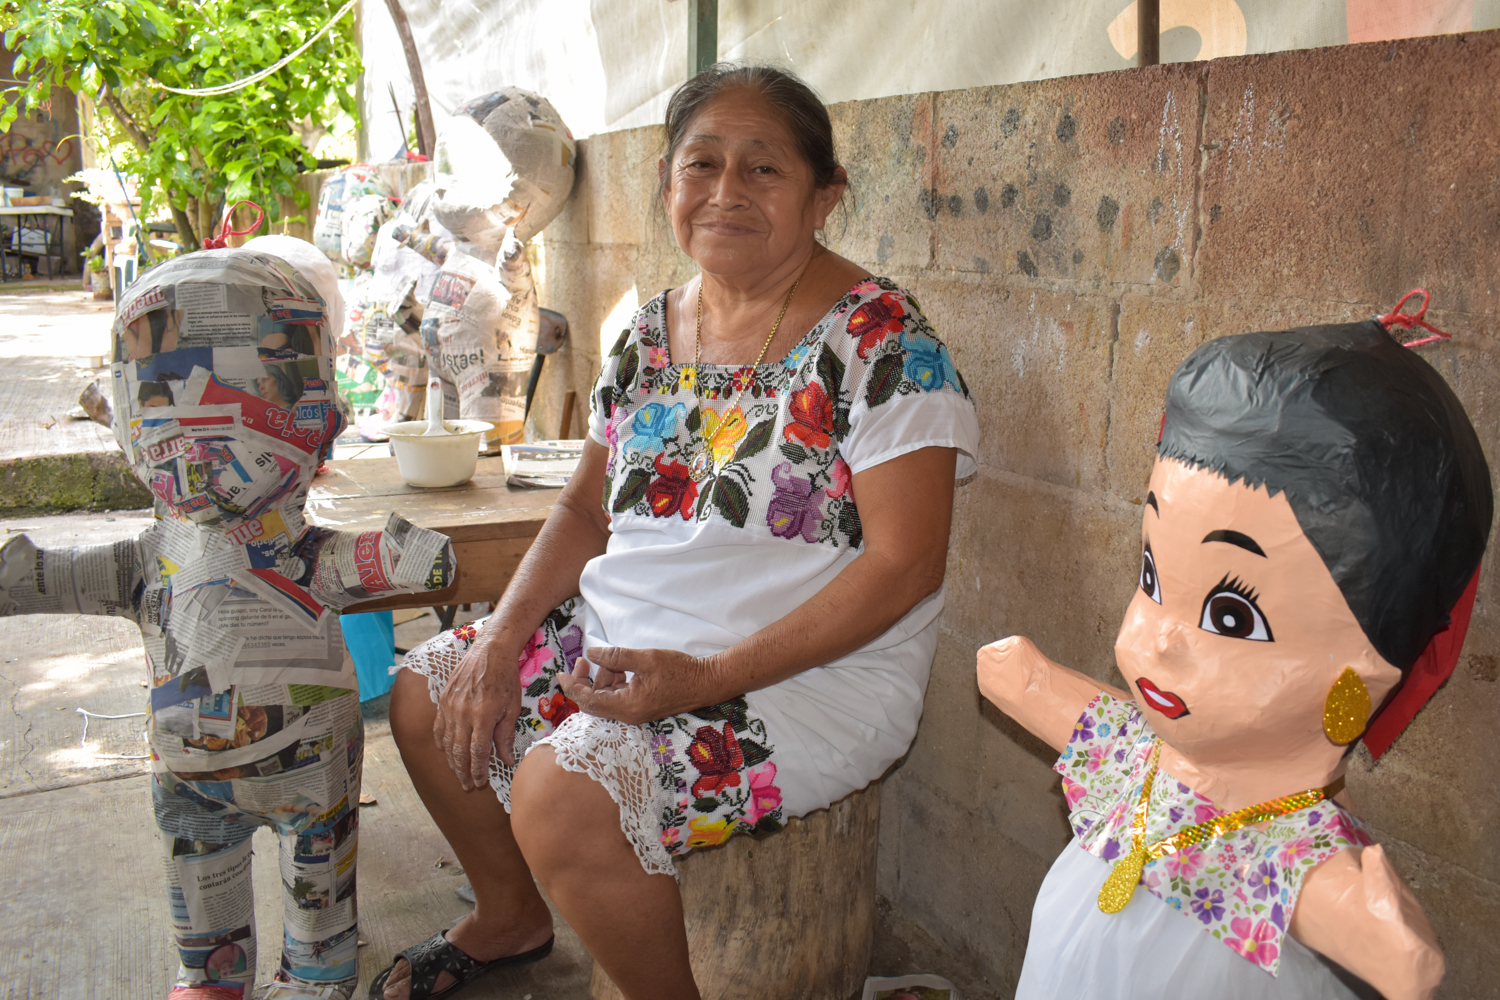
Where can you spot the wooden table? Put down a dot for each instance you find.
(491, 524)
(36, 213)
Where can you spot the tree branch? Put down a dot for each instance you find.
(126, 122)
(426, 132)
(185, 231)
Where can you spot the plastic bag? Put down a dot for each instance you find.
(313, 266)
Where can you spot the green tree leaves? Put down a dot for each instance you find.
(194, 153)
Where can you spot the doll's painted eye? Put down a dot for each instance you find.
(1149, 583)
(1230, 610)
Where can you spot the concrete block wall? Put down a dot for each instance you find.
(1073, 240)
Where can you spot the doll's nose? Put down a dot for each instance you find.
(1171, 641)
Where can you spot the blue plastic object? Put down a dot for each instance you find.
(371, 640)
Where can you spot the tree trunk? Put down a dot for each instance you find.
(426, 133)
(789, 915)
(185, 232)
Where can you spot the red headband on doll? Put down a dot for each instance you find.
(1432, 668)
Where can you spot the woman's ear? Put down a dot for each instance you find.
(825, 199)
(663, 176)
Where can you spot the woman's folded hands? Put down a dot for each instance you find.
(661, 682)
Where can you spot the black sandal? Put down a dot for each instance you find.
(437, 955)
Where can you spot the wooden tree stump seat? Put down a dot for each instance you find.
(788, 915)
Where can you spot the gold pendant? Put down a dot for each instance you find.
(1123, 879)
(699, 469)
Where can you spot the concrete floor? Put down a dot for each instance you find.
(52, 344)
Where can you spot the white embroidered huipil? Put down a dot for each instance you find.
(699, 566)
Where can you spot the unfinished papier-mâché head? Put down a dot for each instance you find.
(224, 388)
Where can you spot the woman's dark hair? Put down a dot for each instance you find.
(151, 390)
(805, 116)
(1376, 455)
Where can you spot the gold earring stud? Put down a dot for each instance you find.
(1346, 710)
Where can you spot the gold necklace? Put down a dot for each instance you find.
(1126, 874)
(698, 470)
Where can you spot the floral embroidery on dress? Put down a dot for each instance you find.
(724, 781)
(1241, 887)
(716, 766)
(776, 453)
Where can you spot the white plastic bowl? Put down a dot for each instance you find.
(437, 461)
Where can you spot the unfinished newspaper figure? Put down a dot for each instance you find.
(224, 404)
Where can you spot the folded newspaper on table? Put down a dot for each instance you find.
(544, 464)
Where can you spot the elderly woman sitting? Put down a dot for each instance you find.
(711, 636)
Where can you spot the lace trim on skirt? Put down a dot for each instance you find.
(615, 754)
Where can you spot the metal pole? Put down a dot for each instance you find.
(703, 35)
(1148, 32)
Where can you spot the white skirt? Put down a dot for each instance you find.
(1150, 951)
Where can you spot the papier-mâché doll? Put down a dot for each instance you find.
(1309, 555)
(224, 404)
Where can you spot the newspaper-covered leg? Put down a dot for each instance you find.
(213, 917)
(320, 943)
(308, 793)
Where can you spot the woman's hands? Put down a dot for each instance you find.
(664, 682)
(478, 708)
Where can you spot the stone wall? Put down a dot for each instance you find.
(1073, 240)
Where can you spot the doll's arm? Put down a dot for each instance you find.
(84, 580)
(1045, 697)
(350, 567)
(1355, 909)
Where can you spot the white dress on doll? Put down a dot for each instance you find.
(1208, 921)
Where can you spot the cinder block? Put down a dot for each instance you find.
(886, 146)
(621, 183)
(1354, 173)
(1037, 363)
(1080, 179)
(1055, 565)
(971, 888)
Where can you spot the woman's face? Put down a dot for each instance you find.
(269, 391)
(1237, 629)
(740, 197)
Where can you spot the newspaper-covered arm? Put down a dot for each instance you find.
(82, 580)
(401, 558)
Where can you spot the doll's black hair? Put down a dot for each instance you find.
(1376, 455)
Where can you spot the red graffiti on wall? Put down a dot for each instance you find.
(22, 151)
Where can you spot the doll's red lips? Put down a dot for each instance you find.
(1165, 702)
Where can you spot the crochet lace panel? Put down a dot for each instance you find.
(615, 754)
(618, 756)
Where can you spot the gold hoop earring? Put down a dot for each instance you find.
(1346, 710)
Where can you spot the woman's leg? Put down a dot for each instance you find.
(510, 916)
(568, 828)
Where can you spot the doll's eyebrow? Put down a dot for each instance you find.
(1151, 502)
(1244, 541)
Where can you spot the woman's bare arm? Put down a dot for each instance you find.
(1045, 697)
(905, 509)
(479, 706)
